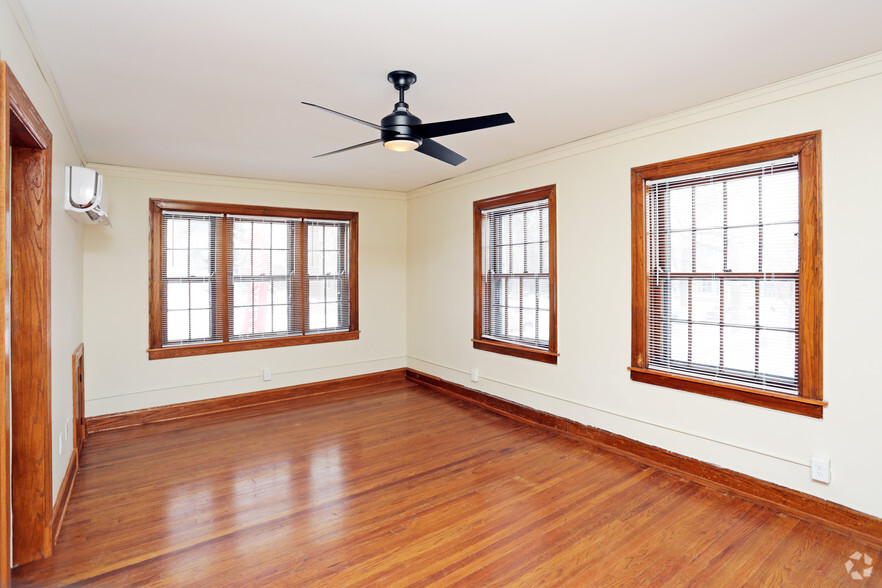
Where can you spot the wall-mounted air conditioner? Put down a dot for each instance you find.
(82, 195)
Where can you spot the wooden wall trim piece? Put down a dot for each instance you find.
(5, 461)
(64, 494)
(123, 420)
(810, 508)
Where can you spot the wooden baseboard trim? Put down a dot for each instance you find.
(170, 412)
(836, 517)
(64, 494)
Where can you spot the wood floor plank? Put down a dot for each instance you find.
(393, 484)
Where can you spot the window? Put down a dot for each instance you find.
(726, 274)
(234, 277)
(515, 275)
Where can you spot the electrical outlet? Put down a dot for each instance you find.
(473, 375)
(821, 469)
(267, 375)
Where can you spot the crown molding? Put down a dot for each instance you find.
(25, 29)
(152, 175)
(822, 79)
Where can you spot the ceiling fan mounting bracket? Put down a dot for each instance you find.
(402, 79)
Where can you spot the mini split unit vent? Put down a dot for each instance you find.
(82, 195)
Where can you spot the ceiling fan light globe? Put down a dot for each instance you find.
(401, 144)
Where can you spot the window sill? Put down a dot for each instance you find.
(210, 348)
(515, 350)
(774, 400)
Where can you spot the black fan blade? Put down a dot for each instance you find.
(439, 151)
(358, 120)
(462, 125)
(349, 148)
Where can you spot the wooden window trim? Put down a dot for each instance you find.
(157, 351)
(478, 340)
(807, 147)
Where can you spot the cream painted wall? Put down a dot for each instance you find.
(66, 321)
(119, 375)
(591, 384)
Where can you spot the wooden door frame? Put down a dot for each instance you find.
(25, 216)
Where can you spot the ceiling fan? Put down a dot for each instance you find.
(402, 131)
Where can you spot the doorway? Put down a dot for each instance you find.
(25, 411)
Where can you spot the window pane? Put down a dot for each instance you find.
(200, 295)
(781, 197)
(178, 233)
(780, 247)
(706, 300)
(316, 316)
(778, 304)
(261, 260)
(542, 326)
(315, 263)
(262, 292)
(280, 292)
(332, 290)
(262, 319)
(743, 249)
(680, 208)
(706, 345)
(743, 202)
(177, 263)
(316, 290)
(315, 237)
(280, 317)
(544, 299)
(200, 263)
(739, 349)
(505, 259)
(528, 328)
(709, 250)
(332, 316)
(513, 325)
(739, 298)
(533, 221)
(178, 295)
(709, 206)
(241, 262)
(517, 227)
(242, 323)
(679, 342)
(200, 234)
(777, 353)
(280, 236)
(279, 262)
(332, 237)
(262, 235)
(517, 259)
(241, 235)
(331, 266)
(528, 295)
(514, 291)
(681, 252)
(200, 324)
(504, 224)
(178, 325)
(242, 293)
(533, 258)
(680, 299)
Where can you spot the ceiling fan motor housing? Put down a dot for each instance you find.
(397, 126)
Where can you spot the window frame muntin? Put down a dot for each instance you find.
(155, 340)
(479, 341)
(807, 146)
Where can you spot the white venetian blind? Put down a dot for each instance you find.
(327, 278)
(262, 285)
(723, 275)
(515, 274)
(190, 279)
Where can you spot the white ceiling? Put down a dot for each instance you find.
(214, 86)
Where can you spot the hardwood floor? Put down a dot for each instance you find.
(395, 485)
